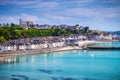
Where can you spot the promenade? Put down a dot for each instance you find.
(42, 51)
(48, 44)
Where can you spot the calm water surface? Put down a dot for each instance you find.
(67, 65)
(113, 44)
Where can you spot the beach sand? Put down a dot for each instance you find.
(41, 51)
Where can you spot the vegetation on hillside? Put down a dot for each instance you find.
(17, 32)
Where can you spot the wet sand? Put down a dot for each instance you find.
(41, 51)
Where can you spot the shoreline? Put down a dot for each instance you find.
(43, 51)
(34, 52)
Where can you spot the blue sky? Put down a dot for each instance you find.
(98, 14)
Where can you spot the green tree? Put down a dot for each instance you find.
(60, 32)
(2, 39)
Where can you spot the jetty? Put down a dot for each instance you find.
(102, 48)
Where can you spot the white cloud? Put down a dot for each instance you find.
(15, 19)
(29, 17)
(6, 2)
(96, 12)
(42, 5)
(84, 1)
(60, 18)
(25, 2)
(114, 15)
(8, 19)
(85, 16)
(31, 4)
(111, 1)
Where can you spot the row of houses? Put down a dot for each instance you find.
(32, 46)
(40, 43)
(50, 42)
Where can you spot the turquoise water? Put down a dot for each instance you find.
(113, 44)
(67, 65)
(118, 34)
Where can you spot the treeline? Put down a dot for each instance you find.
(17, 32)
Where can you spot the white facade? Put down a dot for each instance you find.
(22, 47)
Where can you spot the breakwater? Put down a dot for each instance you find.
(102, 48)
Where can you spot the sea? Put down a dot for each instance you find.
(116, 33)
(66, 65)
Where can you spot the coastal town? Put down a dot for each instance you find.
(50, 42)
(59, 40)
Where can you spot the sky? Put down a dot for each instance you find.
(97, 14)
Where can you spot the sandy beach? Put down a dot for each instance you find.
(42, 51)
